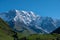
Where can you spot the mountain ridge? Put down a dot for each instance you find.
(22, 20)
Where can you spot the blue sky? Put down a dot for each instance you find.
(49, 8)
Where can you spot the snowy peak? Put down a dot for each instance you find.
(25, 16)
(16, 13)
(25, 13)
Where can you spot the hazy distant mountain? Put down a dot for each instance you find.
(27, 20)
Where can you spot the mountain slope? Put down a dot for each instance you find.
(5, 31)
(56, 31)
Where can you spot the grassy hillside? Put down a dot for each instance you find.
(42, 37)
(5, 32)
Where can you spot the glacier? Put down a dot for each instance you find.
(21, 20)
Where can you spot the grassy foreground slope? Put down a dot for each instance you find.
(5, 32)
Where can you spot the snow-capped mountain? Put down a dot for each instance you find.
(21, 20)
